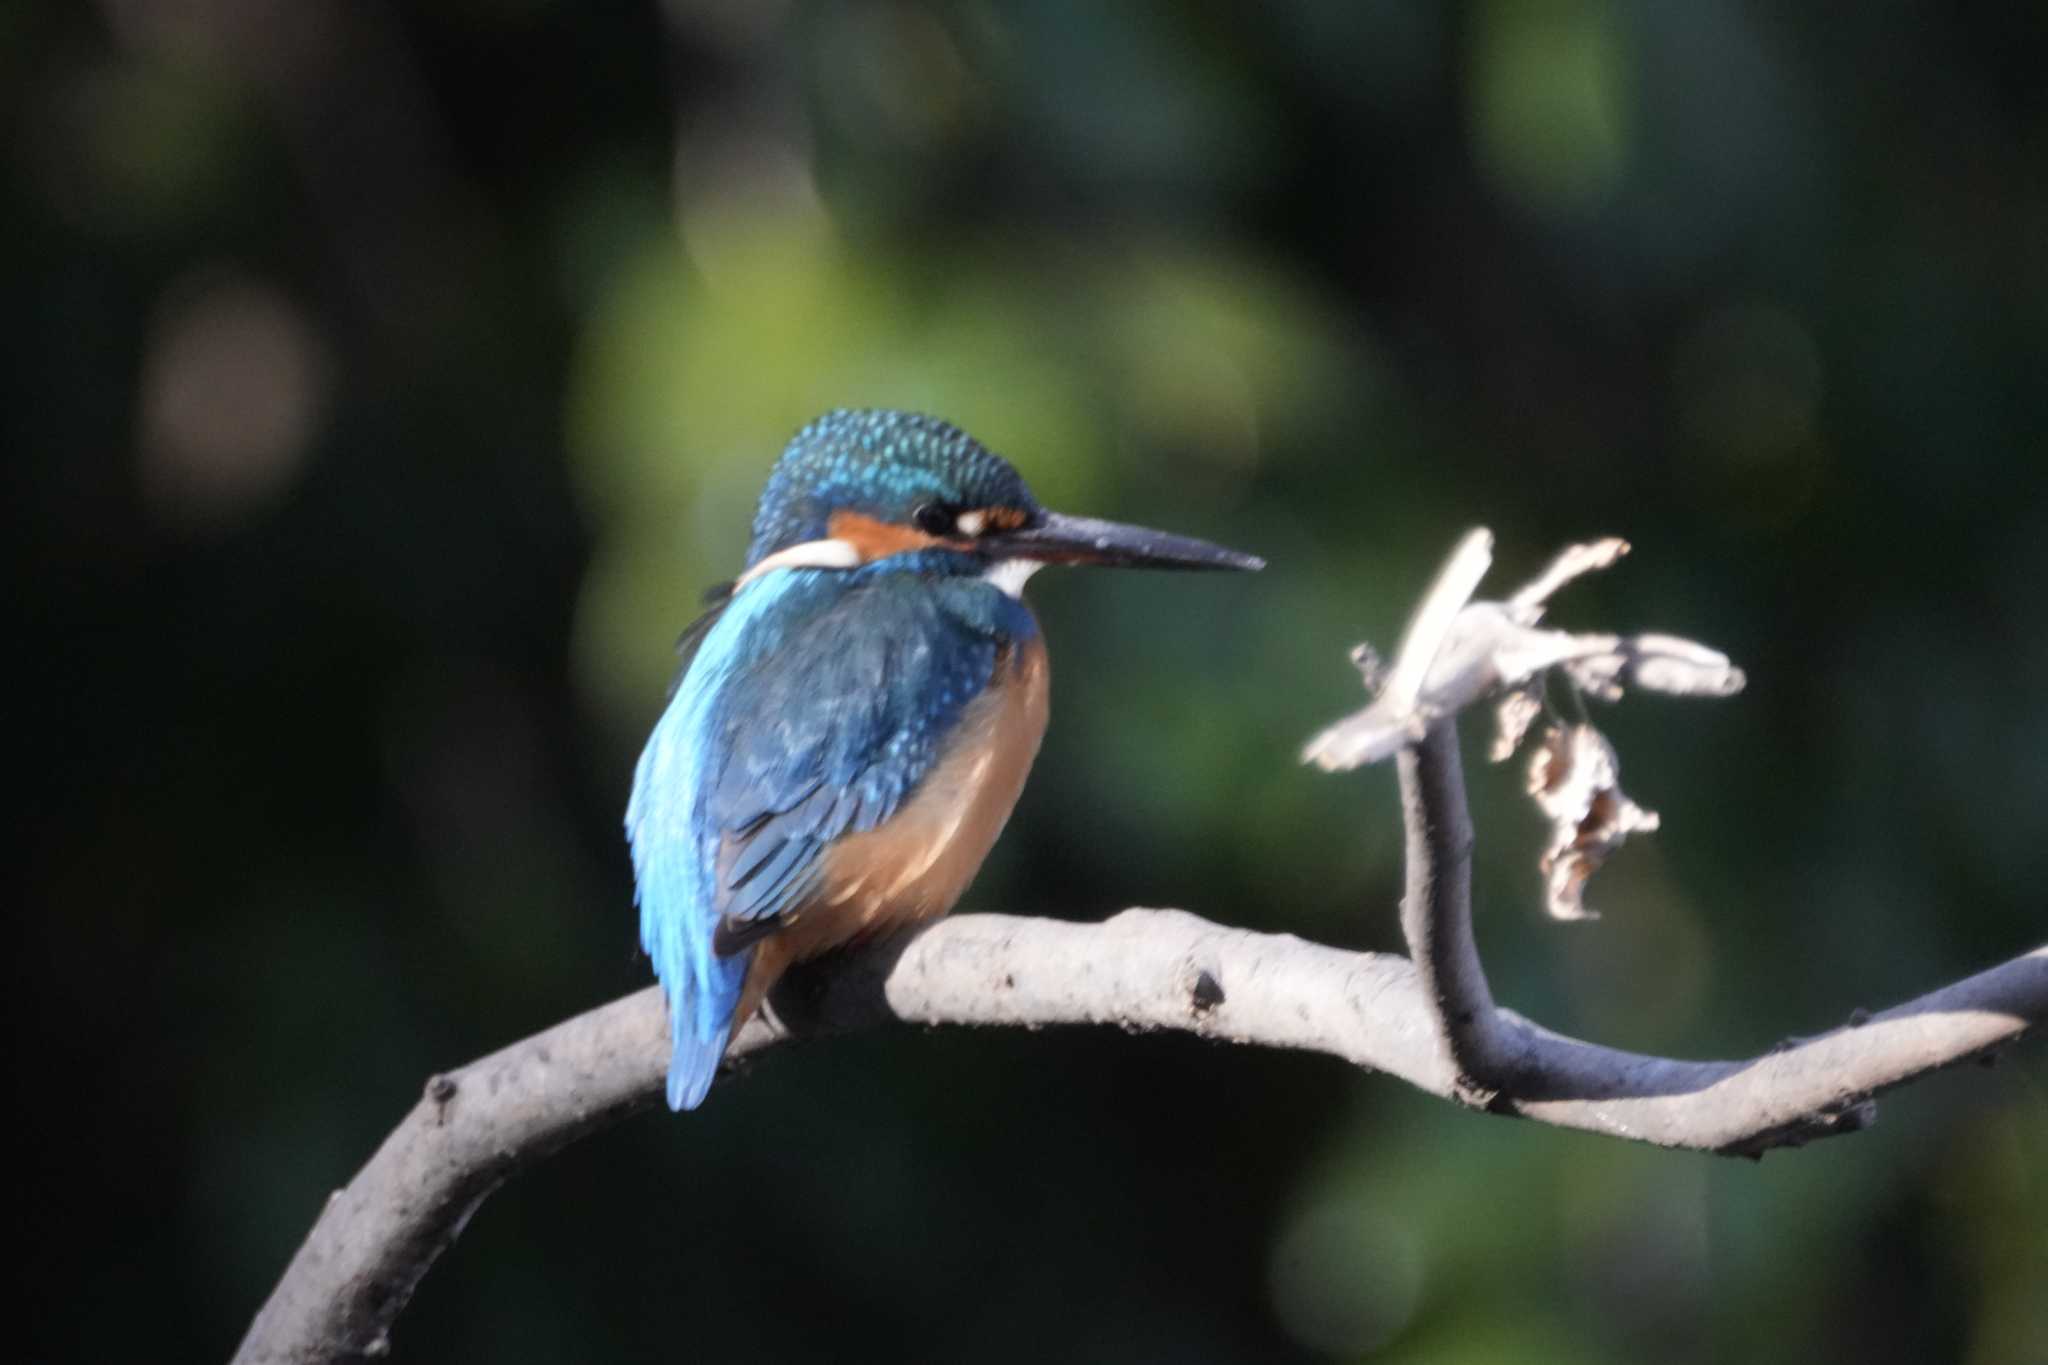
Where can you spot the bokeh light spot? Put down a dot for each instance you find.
(1344, 1279)
(1747, 383)
(234, 380)
(1550, 110)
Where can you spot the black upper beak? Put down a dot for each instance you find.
(1060, 539)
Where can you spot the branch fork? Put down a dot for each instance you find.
(1458, 652)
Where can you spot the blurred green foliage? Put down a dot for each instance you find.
(386, 382)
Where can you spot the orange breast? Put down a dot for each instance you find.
(918, 864)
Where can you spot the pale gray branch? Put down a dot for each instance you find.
(1141, 970)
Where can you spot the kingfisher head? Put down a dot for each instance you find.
(857, 487)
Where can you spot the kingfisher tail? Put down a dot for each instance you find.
(699, 1034)
(672, 852)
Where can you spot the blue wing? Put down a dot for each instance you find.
(813, 705)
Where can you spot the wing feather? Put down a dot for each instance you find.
(812, 704)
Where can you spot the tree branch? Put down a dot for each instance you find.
(1141, 970)
(1490, 1058)
(1436, 909)
(1428, 1019)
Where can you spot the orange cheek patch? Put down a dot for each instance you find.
(872, 539)
(1003, 518)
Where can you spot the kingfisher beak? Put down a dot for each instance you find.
(1061, 539)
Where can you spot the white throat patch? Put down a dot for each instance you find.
(1012, 574)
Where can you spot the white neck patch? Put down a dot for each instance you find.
(830, 553)
(1012, 574)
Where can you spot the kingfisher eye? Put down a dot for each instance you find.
(933, 518)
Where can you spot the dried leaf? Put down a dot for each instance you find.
(1575, 779)
(1512, 718)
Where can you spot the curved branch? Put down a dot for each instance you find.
(1495, 1059)
(1141, 970)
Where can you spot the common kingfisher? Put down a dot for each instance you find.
(855, 715)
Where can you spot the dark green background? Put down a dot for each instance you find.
(384, 382)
